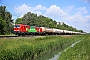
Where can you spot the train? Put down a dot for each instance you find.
(22, 29)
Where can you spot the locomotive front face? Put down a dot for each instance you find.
(16, 28)
(20, 28)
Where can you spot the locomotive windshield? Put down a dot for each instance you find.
(17, 26)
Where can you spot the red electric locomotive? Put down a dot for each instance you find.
(20, 29)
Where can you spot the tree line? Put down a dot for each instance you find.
(6, 22)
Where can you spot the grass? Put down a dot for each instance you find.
(27, 49)
(80, 51)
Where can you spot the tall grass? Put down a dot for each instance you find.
(80, 51)
(27, 49)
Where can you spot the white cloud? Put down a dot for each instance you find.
(39, 7)
(88, 17)
(77, 16)
(55, 11)
(79, 19)
(68, 8)
(23, 9)
(74, 18)
(38, 13)
(82, 10)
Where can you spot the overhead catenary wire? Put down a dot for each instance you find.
(10, 6)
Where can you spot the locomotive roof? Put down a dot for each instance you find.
(21, 24)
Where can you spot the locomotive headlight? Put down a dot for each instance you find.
(16, 30)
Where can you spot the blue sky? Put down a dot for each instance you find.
(75, 13)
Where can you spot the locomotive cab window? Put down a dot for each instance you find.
(17, 26)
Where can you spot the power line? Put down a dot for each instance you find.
(5, 4)
(9, 5)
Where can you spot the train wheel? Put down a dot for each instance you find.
(18, 34)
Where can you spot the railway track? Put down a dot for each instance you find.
(30, 36)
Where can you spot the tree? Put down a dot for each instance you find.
(8, 25)
(5, 17)
(18, 21)
(2, 12)
(2, 25)
(80, 31)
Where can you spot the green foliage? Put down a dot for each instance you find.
(80, 51)
(18, 21)
(5, 21)
(27, 49)
(2, 25)
(81, 31)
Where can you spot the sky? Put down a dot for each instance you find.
(75, 13)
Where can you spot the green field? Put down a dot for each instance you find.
(27, 49)
(81, 50)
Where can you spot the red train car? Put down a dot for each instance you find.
(21, 29)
